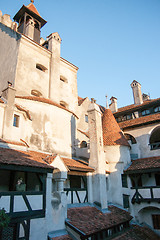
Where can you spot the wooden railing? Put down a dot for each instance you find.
(30, 213)
(138, 198)
(77, 194)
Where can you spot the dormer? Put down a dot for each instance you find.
(29, 22)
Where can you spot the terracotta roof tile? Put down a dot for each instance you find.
(80, 100)
(45, 100)
(32, 8)
(144, 164)
(135, 107)
(140, 121)
(63, 237)
(137, 233)
(90, 220)
(23, 158)
(112, 135)
(72, 164)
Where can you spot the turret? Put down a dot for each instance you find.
(29, 22)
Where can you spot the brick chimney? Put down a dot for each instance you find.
(113, 105)
(137, 95)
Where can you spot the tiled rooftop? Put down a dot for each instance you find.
(134, 107)
(32, 8)
(22, 158)
(90, 220)
(137, 233)
(144, 164)
(63, 237)
(45, 100)
(112, 135)
(140, 121)
(80, 100)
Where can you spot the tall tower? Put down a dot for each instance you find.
(30, 22)
(137, 95)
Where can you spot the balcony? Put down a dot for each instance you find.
(146, 194)
(76, 195)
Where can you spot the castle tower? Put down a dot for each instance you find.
(137, 95)
(30, 22)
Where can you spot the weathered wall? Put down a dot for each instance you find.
(50, 129)
(9, 46)
(142, 136)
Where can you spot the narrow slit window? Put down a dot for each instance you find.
(41, 67)
(16, 120)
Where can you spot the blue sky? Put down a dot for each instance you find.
(112, 42)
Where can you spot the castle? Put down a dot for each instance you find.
(70, 168)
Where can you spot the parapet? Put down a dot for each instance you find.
(6, 20)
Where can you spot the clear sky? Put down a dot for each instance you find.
(112, 42)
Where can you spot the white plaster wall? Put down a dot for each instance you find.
(28, 77)
(50, 128)
(118, 157)
(9, 47)
(82, 152)
(142, 136)
(68, 90)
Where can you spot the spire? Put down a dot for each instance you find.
(112, 134)
(32, 1)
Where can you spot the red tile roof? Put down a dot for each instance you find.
(45, 100)
(112, 135)
(80, 100)
(32, 8)
(23, 158)
(72, 164)
(134, 107)
(137, 233)
(144, 164)
(24, 110)
(140, 121)
(63, 237)
(90, 220)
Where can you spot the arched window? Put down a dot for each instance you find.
(130, 138)
(157, 109)
(41, 67)
(83, 144)
(155, 139)
(28, 18)
(36, 93)
(36, 24)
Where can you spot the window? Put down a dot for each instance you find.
(63, 79)
(36, 93)
(63, 104)
(41, 67)
(145, 112)
(83, 144)
(156, 221)
(139, 182)
(124, 180)
(16, 120)
(86, 118)
(155, 139)
(157, 109)
(125, 201)
(157, 179)
(75, 181)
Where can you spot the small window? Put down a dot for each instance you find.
(36, 93)
(16, 120)
(156, 221)
(125, 201)
(157, 109)
(63, 104)
(41, 67)
(75, 181)
(157, 179)
(86, 118)
(83, 144)
(63, 79)
(124, 180)
(145, 112)
(139, 182)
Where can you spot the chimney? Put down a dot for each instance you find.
(113, 105)
(97, 158)
(145, 97)
(137, 95)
